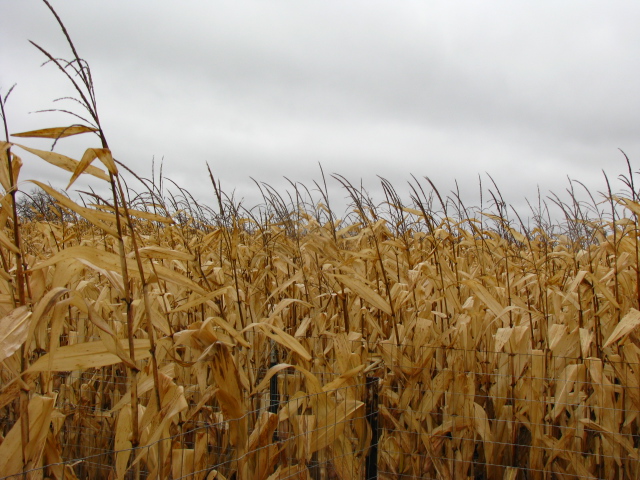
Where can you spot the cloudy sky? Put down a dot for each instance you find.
(530, 92)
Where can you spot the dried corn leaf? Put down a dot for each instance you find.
(364, 291)
(483, 294)
(103, 154)
(630, 204)
(313, 384)
(86, 213)
(66, 163)
(285, 303)
(282, 337)
(229, 391)
(87, 355)
(295, 472)
(342, 379)
(344, 462)
(8, 243)
(164, 253)
(109, 339)
(44, 306)
(12, 389)
(603, 289)
(153, 217)
(263, 431)
(13, 331)
(155, 422)
(182, 462)
(56, 132)
(122, 442)
(331, 421)
(511, 473)
(628, 323)
(296, 277)
(145, 383)
(482, 426)
(502, 336)
(110, 261)
(564, 386)
(200, 299)
(40, 410)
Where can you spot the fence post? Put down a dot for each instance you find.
(274, 397)
(371, 463)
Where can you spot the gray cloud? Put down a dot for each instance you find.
(528, 91)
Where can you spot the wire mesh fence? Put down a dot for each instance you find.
(399, 412)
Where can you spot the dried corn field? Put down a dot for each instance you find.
(150, 336)
(148, 346)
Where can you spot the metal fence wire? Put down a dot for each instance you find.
(406, 413)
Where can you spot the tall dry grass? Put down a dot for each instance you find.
(137, 319)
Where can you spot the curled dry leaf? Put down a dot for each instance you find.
(104, 154)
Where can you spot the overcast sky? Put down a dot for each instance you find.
(530, 92)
